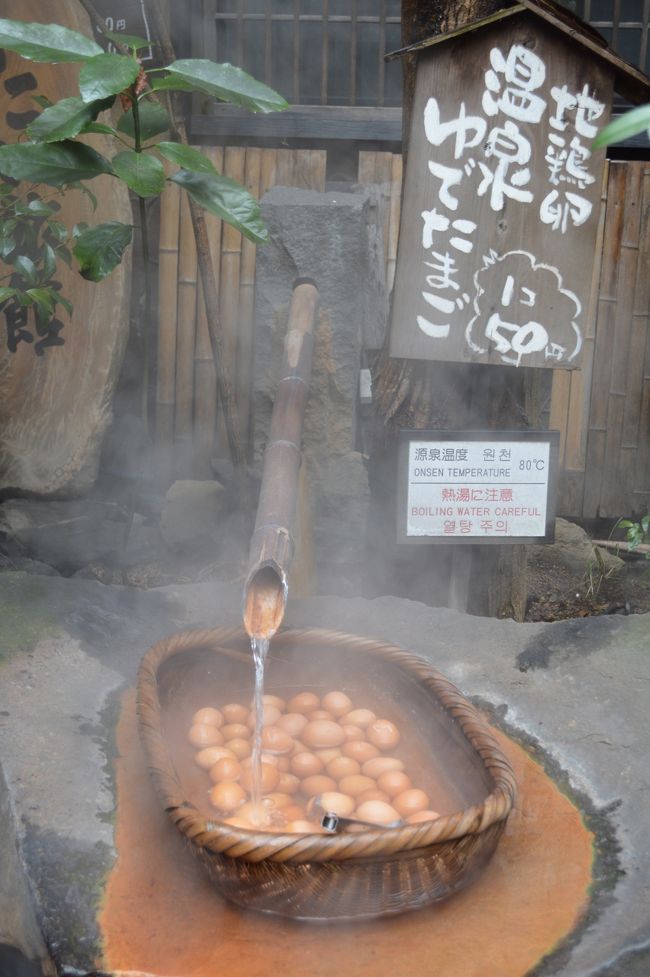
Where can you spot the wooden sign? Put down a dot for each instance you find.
(501, 199)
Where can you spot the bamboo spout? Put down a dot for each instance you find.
(272, 544)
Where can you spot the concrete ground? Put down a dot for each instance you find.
(575, 693)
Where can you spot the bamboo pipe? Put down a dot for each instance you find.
(272, 544)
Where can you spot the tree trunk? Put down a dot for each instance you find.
(417, 394)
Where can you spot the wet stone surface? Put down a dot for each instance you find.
(574, 696)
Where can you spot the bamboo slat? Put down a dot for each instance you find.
(231, 246)
(187, 275)
(252, 177)
(394, 216)
(167, 318)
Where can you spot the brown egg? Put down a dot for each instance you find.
(234, 713)
(360, 717)
(374, 794)
(343, 766)
(299, 747)
(269, 778)
(288, 783)
(394, 782)
(235, 731)
(293, 723)
(306, 765)
(331, 753)
(411, 801)
(271, 758)
(331, 802)
(240, 747)
(208, 716)
(338, 703)
(227, 768)
(356, 784)
(303, 702)
(378, 812)
(303, 828)
(274, 700)
(257, 816)
(380, 764)
(383, 734)
(322, 733)
(278, 800)
(276, 740)
(227, 796)
(317, 784)
(283, 763)
(422, 816)
(359, 750)
(353, 732)
(320, 714)
(270, 716)
(202, 735)
(212, 754)
(294, 812)
(239, 822)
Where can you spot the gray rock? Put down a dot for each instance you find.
(333, 239)
(192, 514)
(574, 550)
(65, 534)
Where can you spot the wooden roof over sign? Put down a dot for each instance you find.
(630, 82)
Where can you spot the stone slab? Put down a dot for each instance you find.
(574, 692)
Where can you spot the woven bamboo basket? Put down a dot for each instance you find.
(340, 876)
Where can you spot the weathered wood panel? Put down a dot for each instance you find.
(500, 211)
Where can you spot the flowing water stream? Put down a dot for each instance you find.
(260, 648)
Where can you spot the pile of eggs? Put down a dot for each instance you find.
(318, 755)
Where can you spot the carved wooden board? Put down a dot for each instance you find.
(501, 200)
(55, 407)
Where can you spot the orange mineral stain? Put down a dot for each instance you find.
(163, 917)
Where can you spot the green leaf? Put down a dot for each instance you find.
(44, 298)
(187, 157)
(153, 120)
(49, 261)
(142, 173)
(6, 293)
(61, 121)
(229, 84)
(170, 83)
(99, 249)
(66, 303)
(57, 164)
(98, 127)
(627, 125)
(46, 42)
(7, 245)
(34, 208)
(42, 101)
(625, 523)
(26, 267)
(106, 75)
(227, 199)
(58, 230)
(128, 40)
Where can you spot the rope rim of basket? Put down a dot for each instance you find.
(256, 846)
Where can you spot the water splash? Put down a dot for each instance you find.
(260, 649)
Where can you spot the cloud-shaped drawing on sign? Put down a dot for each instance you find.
(521, 308)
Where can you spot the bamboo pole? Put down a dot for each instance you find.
(167, 324)
(206, 395)
(272, 543)
(187, 277)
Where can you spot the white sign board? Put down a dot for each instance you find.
(485, 487)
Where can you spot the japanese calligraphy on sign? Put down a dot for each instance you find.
(501, 200)
(476, 487)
